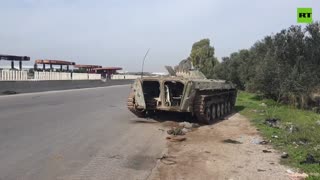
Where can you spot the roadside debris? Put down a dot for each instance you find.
(275, 136)
(115, 156)
(296, 176)
(261, 170)
(185, 130)
(167, 160)
(259, 141)
(263, 142)
(175, 131)
(284, 155)
(318, 122)
(266, 151)
(296, 145)
(303, 141)
(272, 122)
(256, 141)
(185, 125)
(176, 139)
(291, 128)
(289, 171)
(263, 105)
(182, 129)
(317, 147)
(310, 160)
(315, 174)
(231, 141)
(188, 125)
(258, 111)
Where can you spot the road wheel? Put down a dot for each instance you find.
(213, 112)
(226, 108)
(229, 107)
(222, 109)
(218, 110)
(207, 115)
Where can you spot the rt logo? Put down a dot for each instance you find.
(304, 15)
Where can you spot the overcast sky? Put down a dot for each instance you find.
(119, 32)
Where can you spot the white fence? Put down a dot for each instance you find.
(65, 76)
(94, 76)
(85, 76)
(124, 76)
(52, 76)
(13, 75)
(127, 76)
(80, 76)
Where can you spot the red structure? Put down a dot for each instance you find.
(106, 72)
(51, 63)
(13, 58)
(88, 68)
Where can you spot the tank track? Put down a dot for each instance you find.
(199, 109)
(131, 106)
(204, 107)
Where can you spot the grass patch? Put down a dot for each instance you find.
(298, 133)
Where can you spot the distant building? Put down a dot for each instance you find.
(159, 73)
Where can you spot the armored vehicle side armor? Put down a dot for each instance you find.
(188, 92)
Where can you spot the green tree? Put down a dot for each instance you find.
(284, 66)
(221, 70)
(202, 57)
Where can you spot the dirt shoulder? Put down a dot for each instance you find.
(205, 155)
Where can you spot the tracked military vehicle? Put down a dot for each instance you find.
(186, 91)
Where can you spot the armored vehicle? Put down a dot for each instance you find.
(187, 91)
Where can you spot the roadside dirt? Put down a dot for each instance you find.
(205, 155)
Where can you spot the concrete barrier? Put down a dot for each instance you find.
(39, 86)
(13, 75)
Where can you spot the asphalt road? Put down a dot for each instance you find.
(75, 134)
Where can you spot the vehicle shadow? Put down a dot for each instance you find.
(163, 116)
